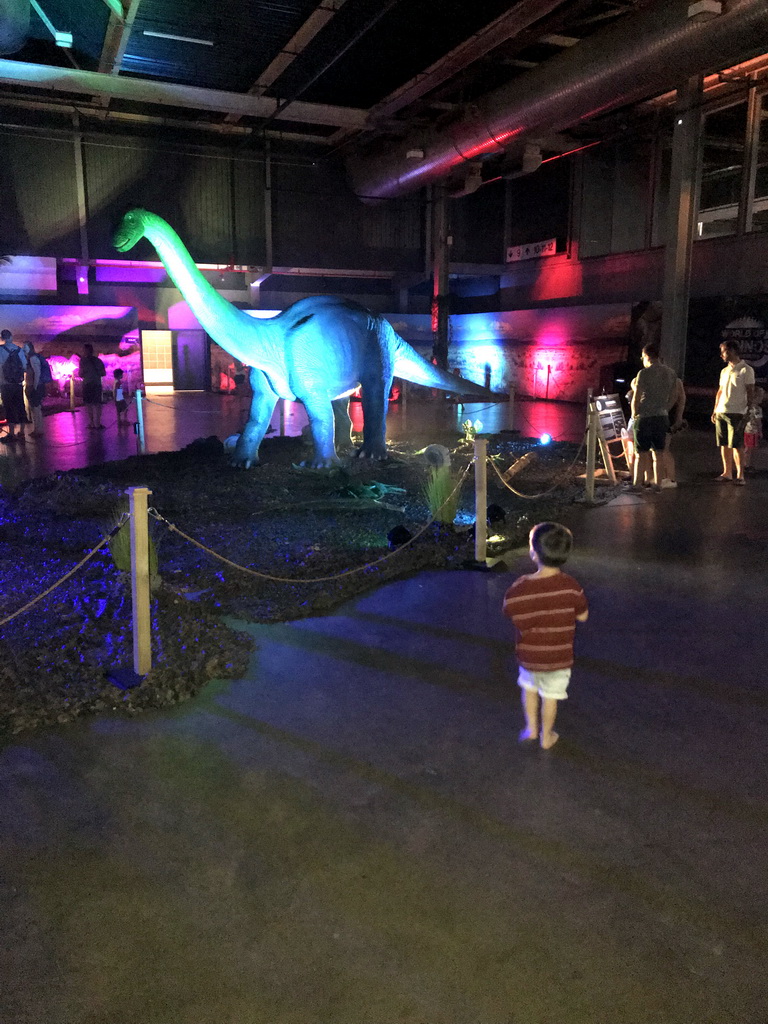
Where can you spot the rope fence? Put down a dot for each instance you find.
(558, 478)
(68, 575)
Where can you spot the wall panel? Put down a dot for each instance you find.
(38, 208)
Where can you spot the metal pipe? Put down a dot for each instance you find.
(645, 53)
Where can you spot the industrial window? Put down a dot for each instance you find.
(723, 151)
(757, 219)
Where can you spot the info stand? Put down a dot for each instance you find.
(605, 422)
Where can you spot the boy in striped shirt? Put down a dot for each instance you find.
(545, 608)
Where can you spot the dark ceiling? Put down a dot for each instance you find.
(320, 71)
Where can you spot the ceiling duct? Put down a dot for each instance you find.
(14, 25)
(645, 53)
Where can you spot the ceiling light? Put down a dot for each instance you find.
(178, 39)
(63, 39)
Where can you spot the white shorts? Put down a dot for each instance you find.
(548, 684)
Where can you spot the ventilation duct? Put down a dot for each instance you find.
(642, 55)
(14, 25)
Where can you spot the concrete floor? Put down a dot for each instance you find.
(172, 421)
(351, 834)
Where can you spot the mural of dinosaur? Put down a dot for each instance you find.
(318, 351)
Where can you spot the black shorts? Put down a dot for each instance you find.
(651, 433)
(92, 392)
(729, 427)
(12, 396)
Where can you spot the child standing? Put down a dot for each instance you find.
(753, 431)
(121, 399)
(545, 608)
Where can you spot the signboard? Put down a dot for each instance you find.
(752, 338)
(23, 275)
(531, 251)
(610, 415)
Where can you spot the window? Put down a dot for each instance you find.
(760, 190)
(723, 147)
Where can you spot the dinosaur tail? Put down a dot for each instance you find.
(409, 365)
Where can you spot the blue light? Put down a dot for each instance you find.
(545, 439)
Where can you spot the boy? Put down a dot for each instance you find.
(121, 399)
(753, 429)
(545, 608)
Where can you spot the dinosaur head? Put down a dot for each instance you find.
(130, 230)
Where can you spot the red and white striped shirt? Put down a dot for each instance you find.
(544, 609)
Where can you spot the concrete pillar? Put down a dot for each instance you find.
(440, 285)
(680, 224)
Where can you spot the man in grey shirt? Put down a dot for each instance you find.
(653, 396)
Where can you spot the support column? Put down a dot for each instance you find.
(440, 286)
(82, 201)
(680, 223)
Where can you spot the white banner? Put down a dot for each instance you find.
(25, 275)
(531, 251)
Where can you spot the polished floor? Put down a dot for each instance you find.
(352, 835)
(172, 421)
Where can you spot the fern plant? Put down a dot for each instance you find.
(120, 549)
(442, 495)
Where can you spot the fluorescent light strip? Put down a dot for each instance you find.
(178, 39)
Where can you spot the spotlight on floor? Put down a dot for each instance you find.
(397, 536)
(545, 439)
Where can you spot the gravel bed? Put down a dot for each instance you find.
(277, 519)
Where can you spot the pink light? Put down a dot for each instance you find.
(61, 368)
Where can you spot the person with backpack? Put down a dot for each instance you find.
(13, 366)
(91, 372)
(38, 375)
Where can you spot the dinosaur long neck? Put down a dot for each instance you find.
(247, 339)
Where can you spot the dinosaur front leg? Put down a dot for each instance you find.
(321, 423)
(375, 395)
(342, 423)
(263, 403)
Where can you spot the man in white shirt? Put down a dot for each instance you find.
(735, 395)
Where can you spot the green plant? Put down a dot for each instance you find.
(442, 495)
(120, 549)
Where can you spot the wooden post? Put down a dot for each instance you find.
(72, 393)
(591, 448)
(140, 422)
(142, 636)
(605, 451)
(481, 498)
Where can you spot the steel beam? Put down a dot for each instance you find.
(116, 38)
(92, 83)
(296, 45)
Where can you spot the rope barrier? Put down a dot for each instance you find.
(80, 564)
(319, 579)
(542, 494)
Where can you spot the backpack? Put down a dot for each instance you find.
(13, 369)
(45, 370)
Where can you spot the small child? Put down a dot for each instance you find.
(753, 431)
(121, 399)
(545, 608)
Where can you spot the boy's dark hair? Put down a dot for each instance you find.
(652, 350)
(552, 542)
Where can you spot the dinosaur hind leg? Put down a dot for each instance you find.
(263, 403)
(375, 395)
(321, 422)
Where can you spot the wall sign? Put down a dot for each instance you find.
(752, 337)
(531, 251)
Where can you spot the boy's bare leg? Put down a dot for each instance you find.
(738, 459)
(727, 456)
(548, 714)
(531, 710)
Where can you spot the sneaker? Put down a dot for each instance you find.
(667, 484)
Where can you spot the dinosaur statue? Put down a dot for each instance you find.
(318, 351)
